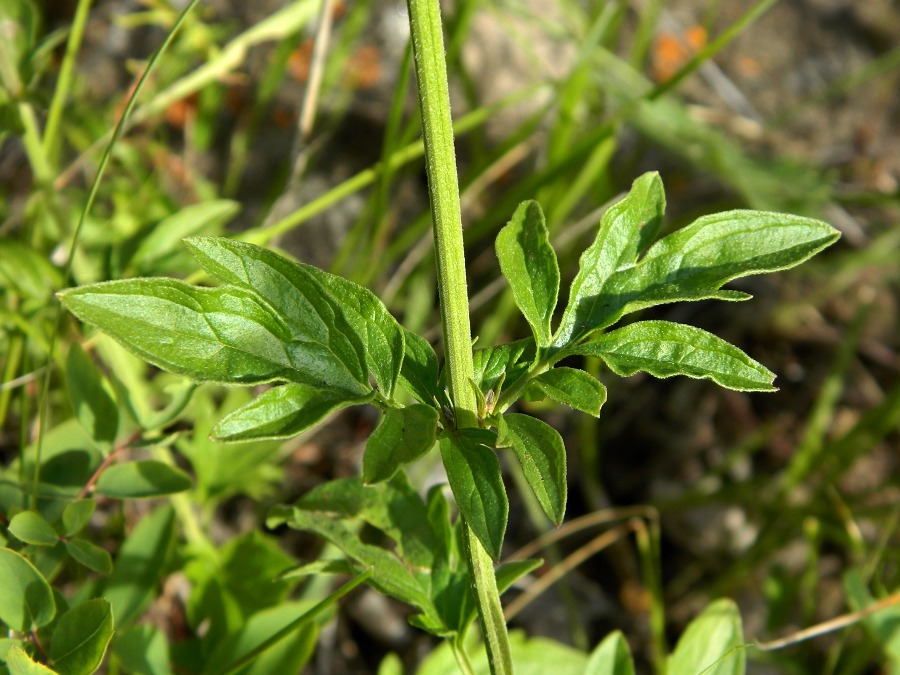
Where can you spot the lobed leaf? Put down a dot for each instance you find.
(626, 229)
(542, 455)
(146, 478)
(26, 599)
(695, 261)
(81, 637)
(574, 388)
(528, 262)
(664, 349)
(304, 297)
(402, 436)
(477, 484)
(282, 412)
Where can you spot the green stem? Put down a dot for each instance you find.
(443, 185)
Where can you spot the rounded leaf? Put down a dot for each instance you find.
(142, 479)
(26, 599)
(81, 637)
(32, 528)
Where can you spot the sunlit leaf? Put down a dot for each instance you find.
(32, 528)
(574, 388)
(80, 638)
(708, 643)
(26, 600)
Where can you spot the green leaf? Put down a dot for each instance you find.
(81, 637)
(611, 657)
(626, 229)
(528, 262)
(19, 663)
(90, 555)
(33, 528)
(883, 625)
(140, 563)
(90, 396)
(420, 370)
(159, 248)
(664, 349)
(511, 359)
(574, 388)
(540, 450)
(76, 515)
(143, 650)
(26, 600)
(147, 478)
(474, 476)
(402, 436)
(282, 412)
(219, 334)
(707, 643)
(695, 261)
(326, 340)
(25, 271)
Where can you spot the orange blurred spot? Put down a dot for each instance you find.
(364, 67)
(299, 60)
(748, 67)
(178, 114)
(672, 52)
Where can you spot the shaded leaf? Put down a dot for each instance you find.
(420, 370)
(32, 528)
(90, 555)
(542, 455)
(147, 478)
(282, 412)
(513, 359)
(139, 564)
(142, 649)
(528, 262)
(26, 600)
(706, 644)
(474, 476)
(93, 403)
(664, 349)
(626, 229)
(574, 388)
(884, 625)
(402, 436)
(80, 638)
(316, 318)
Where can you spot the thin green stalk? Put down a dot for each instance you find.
(443, 185)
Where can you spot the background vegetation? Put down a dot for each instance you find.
(787, 502)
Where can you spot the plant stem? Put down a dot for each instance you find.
(443, 185)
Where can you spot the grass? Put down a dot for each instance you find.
(772, 501)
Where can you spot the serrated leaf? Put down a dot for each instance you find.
(574, 388)
(477, 484)
(91, 399)
(611, 657)
(32, 528)
(146, 478)
(695, 261)
(707, 644)
(141, 559)
(19, 663)
(76, 515)
(664, 349)
(420, 370)
(402, 436)
(282, 412)
(626, 229)
(317, 319)
(542, 455)
(90, 555)
(221, 334)
(528, 262)
(26, 599)
(81, 637)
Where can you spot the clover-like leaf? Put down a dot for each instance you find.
(626, 229)
(474, 476)
(528, 262)
(574, 388)
(402, 436)
(664, 349)
(542, 455)
(283, 412)
(32, 528)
